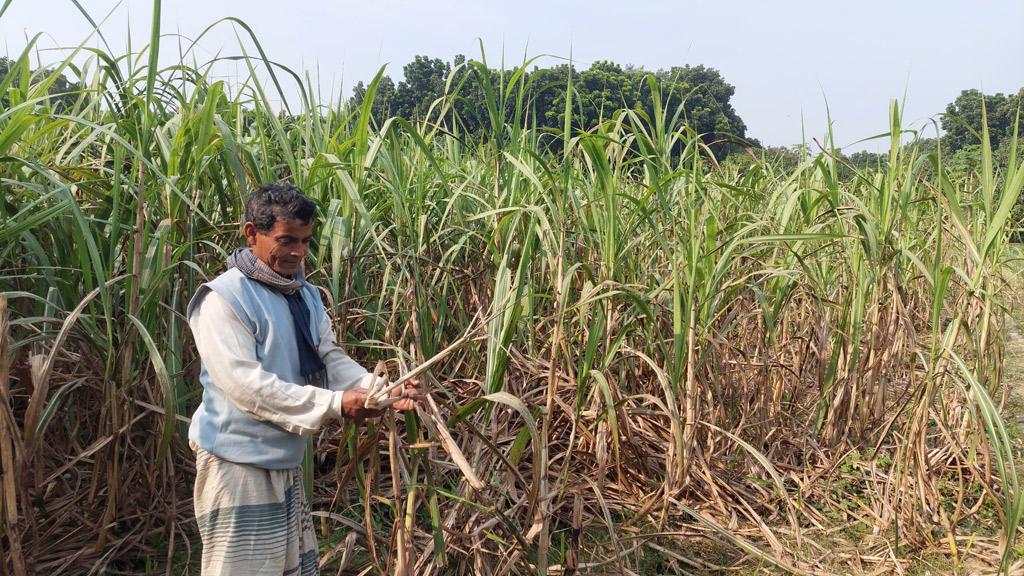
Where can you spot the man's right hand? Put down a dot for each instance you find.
(353, 401)
(353, 405)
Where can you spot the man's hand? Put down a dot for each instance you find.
(353, 402)
(410, 393)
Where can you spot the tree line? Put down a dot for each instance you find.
(700, 94)
(961, 124)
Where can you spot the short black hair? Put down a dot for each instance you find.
(274, 200)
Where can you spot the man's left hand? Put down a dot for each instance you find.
(411, 394)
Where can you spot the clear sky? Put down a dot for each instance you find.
(785, 58)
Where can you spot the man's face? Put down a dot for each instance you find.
(283, 247)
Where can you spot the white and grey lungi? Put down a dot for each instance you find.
(253, 521)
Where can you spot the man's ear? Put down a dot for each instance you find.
(249, 229)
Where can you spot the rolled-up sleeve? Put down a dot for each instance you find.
(228, 351)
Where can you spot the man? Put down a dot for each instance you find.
(271, 375)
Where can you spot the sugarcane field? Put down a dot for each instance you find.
(497, 289)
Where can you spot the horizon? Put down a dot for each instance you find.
(781, 104)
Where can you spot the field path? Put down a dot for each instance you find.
(1013, 372)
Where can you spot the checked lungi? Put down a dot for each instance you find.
(253, 521)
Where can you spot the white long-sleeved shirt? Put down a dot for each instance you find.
(228, 350)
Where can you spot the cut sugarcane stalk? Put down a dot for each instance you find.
(377, 395)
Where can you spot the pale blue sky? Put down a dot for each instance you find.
(785, 58)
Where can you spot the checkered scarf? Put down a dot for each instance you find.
(256, 269)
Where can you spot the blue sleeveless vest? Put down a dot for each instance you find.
(218, 426)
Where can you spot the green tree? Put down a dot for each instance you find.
(424, 83)
(64, 93)
(962, 120)
(382, 101)
(705, 97)
(605, 87)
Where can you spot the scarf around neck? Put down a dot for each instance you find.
(311, 366)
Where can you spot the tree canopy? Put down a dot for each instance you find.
(62, 91)
(699, 93)
(962, 119)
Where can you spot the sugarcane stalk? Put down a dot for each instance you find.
(378, 394)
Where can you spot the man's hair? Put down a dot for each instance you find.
(278, 200)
